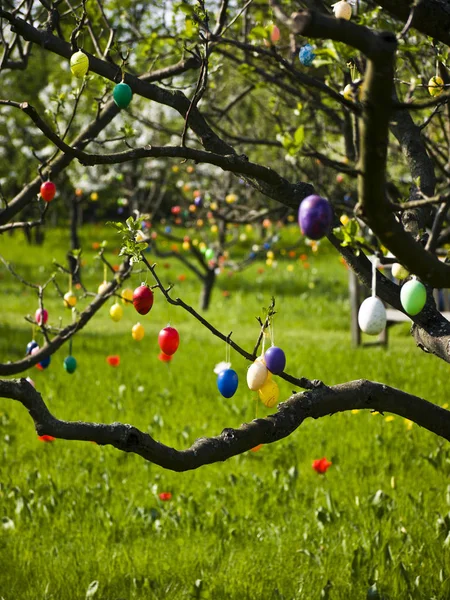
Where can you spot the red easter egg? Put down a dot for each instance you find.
(175, 210)
(143, 299)
(48, 191)
(168, 340)
(41, 316)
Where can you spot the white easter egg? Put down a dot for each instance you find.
(256, 375)
(372, 316)
(399, 271)
(342, 10)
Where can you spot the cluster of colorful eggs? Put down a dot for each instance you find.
(259, 377)
(79, 65)
(413, 297)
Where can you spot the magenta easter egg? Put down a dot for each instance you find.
(315, 217)
(275, 360)
(41, 316)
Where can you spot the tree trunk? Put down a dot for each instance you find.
(74, 263)
(208, 284)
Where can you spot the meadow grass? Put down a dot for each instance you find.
(81, 520)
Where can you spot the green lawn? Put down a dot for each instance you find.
(262, 525)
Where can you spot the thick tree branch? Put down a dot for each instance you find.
(290, 415)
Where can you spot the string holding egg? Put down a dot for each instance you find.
(413, 297)
(372, 316)
(227, 382)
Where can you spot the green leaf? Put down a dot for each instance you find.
(299, 135)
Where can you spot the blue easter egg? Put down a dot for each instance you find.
(31, 345)
(267, 246)
(306, 55)
(45, 362)
(227, 383)
(168, 229)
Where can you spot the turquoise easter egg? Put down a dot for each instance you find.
(413, 296)
(122, 95)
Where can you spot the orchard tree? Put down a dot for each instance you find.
(348, 104)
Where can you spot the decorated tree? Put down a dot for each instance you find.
(340, 113)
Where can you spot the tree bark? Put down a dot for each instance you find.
(208, 285)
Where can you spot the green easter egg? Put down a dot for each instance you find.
(209, 253)
(122, 95)
(413, 296)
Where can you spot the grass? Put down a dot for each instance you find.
(262, 525)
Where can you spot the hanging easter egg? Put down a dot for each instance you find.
(116, 312)
(306, 55)
(315, 217)
(399, 271)
(198, 201)
(122, 95)
(127, 296)
(275, 360)
(342, 10)
(175, 210)
(164, 357)
(413, 296)
(269, 393)
(79, 64)
(227, 382)
(256, 375)
(35, 350)
(44, 363)
(47, 191)
(41, 316)
(274, 34)
(102, 287)
(372, 316)
(113, 360)
(231, 198)
(70, 364)
(435, 86)
(137, 332)
(30, 346)
(70, 299)
(143, 299)
(209, 253)
(169, 340)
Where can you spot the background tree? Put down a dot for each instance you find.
(385, 137)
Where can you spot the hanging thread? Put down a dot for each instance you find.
(374, 275)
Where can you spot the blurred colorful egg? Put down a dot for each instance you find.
(41, 316)
(413, 296)
(274, 34)
(143, 299)
(198, 201)
(137, 332)
(175, 210)
(256, 375)
(31, 346)
(435, 86)
(79, 64)
(70, 299)
(399, 271)
(315, 217)
(164, 357)
(231, 198)
(342, 10)
(47, 191)
(306, 55)
(116, 312)
(44, 363)
(209, 253)
(372, 316)
(122, 95)
(275, 360)
(113, 360)
(127, 296)
(102, 287)
(169, 340)
(70, 364)
(269, 393)
(227, 382)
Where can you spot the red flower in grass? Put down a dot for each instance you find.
(321, 465)
(165, 496)
(46, 438)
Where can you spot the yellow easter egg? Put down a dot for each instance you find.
(137, 332)
(231, 198)
(116, 312)
(186, 245)
(344, 220)
(269, 393)
(70, 299)
(79, 64)
(213, 206)
(127, 296)
(436, 86)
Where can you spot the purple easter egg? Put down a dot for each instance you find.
(198, 201)
(275, 360)
(315, 217)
